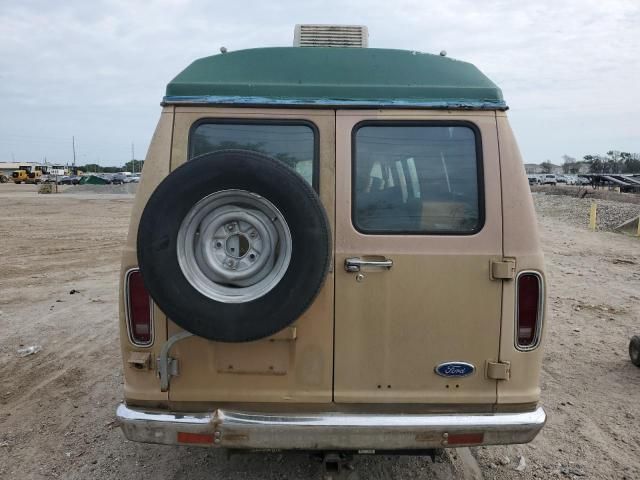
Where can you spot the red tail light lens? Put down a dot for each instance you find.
(529, 310)
(138, 309)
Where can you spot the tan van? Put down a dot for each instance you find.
(332, 249)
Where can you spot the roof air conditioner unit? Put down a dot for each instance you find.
(356, 36)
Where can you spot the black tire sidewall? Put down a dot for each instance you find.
(634, 350)
(227, 170)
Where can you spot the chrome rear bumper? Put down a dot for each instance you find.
(327, 431)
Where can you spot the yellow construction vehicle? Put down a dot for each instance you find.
(21, 175)
(34, 177)
(27, 174)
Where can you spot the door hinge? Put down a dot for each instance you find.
(498, 370)
(503, 269)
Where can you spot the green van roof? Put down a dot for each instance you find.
(356, 77)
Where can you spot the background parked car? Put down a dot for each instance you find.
(550, 179)
(583, 180)
(69, 180)
(119, 179)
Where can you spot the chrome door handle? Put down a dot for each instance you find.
(354, 264)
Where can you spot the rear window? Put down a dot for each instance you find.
(293, 143)
(417, 179)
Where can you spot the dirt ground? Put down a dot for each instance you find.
(57, 406)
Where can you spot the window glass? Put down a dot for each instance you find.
(416, 179)
(292, 144)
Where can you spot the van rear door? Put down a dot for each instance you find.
(418, 226)
(295, 364)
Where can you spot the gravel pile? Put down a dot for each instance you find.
(575, 211)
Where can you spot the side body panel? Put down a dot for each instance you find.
(521, 242)
(142, 386)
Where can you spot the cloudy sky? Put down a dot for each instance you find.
(569, 69)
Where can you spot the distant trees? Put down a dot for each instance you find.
(546, 166)
(570, 164)
(95, 168)
(631, 162)
(133, 166)
(130, 166)
(614, 162)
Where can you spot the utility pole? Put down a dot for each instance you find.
(133, 158)
(73, 144)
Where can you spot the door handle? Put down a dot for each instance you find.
(354, 264)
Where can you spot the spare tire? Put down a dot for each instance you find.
(234, 245)
(634, 350)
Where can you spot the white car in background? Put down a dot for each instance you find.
(549, 179)
(583, 180)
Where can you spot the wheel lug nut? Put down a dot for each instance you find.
(230, 227)
(253, 234)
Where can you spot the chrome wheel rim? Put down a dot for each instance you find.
(234, 246)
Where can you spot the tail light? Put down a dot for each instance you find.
(139, 311)
(529, 310)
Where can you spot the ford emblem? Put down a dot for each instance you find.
(455, 369)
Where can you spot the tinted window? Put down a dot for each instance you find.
(416, 179)
(292, 144)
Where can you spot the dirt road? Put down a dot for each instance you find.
(57, 406)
